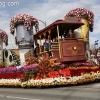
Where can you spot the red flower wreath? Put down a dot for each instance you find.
(79, 12)
(26, 19)
(4, 36)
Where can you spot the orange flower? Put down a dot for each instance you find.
(52, 62)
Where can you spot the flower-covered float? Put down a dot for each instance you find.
(44, 70)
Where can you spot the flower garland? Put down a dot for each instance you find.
(79, 12)
(26, 19)
(4, 36)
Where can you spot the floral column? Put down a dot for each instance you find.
(24, 33)
(3, 38)
(87, 17)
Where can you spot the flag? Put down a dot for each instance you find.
(96, 42)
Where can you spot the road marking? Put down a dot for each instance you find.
(19, 97)
(3, 96)
(97, 85)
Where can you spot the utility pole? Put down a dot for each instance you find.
(42, 22)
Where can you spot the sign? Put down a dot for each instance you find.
(73, 19)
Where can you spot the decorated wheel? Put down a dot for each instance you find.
(11, 58)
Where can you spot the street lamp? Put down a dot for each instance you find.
(42, 22)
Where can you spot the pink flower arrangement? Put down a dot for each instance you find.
(26, 19)
(4, 36)
(79, 12)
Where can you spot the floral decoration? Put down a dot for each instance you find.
(26, 19)
(4, 36)
(16, 79)
(44, 72)
(88, 63)
(79, 12)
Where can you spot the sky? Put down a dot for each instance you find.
(47, 11)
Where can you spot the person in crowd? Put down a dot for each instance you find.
(68, 34)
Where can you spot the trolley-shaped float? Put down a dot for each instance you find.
(53, 41)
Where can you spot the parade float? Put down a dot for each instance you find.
(57, 59)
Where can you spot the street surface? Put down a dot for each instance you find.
(81, 92)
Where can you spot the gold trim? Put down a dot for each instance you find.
(58, 40)
(74, 51)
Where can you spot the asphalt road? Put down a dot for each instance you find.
(83, 92)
